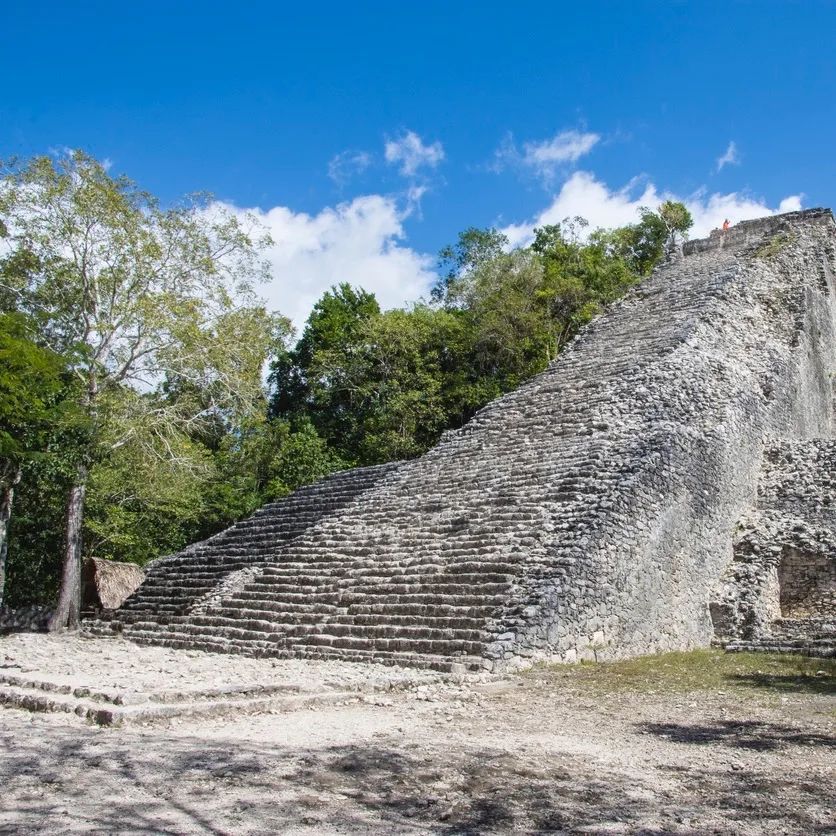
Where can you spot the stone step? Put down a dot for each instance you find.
(221, 702)
(170, 607)
(181, 582)
(443, 663)
(159, 590)
(259, 632)
(335, 617)
(349, 598)
(428, 646)
(272, 609)
(433, 609)
(430, 584)
(463, 571)
(170, 586)
(825, 651)
(449, 664)
(369, 629)
(421, 640)
(268, 607)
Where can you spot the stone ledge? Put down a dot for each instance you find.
(747, 232)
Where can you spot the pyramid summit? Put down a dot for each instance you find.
(636, 497)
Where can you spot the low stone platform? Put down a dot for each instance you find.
(112, 682)
(809, 636)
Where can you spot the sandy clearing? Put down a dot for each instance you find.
(528, 754)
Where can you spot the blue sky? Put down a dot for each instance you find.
(369, 135)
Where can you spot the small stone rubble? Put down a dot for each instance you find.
(590, 513)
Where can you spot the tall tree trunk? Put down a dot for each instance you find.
(6, 496)
(68, 610)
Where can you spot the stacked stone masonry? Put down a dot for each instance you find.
(779, 593)
(593, 511)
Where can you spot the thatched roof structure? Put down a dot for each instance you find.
(107, 583)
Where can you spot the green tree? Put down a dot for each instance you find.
(475, 247)
(139, 506)
(501, 301)
(372, 386)
(263, 460)
(394, 378)
(677, 220)
(640, 245)
(33, 570)
(31, 385)
(298, 456)
(149, 293)
(310, 381)
(518, 309)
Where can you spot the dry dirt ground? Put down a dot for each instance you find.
(684, 743)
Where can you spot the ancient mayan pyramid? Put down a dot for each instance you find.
(666, 482)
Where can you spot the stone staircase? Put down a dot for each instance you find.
(541, 528)
(108, 705)
(811, 636)
(106, 709)
(177, 583)
(418, 572)
(322, 610)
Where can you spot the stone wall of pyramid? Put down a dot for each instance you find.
(591, 511)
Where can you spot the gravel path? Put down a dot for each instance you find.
(537, 753)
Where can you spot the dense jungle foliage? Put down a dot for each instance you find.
(133, 401)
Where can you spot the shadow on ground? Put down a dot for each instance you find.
(824, 685)
(80, 780)
(747, 734)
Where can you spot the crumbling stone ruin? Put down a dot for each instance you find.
(779, 593)
(665, 483)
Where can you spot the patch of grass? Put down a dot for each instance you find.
(775, 245)
(699, 670)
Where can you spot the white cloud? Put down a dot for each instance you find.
(546, 158)
(582, 194)
(731, 157)
(565, 147)
(362, 241)
(790, 204)
(412, 154)
(413, 198)
(344, 165)
(359, 242)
